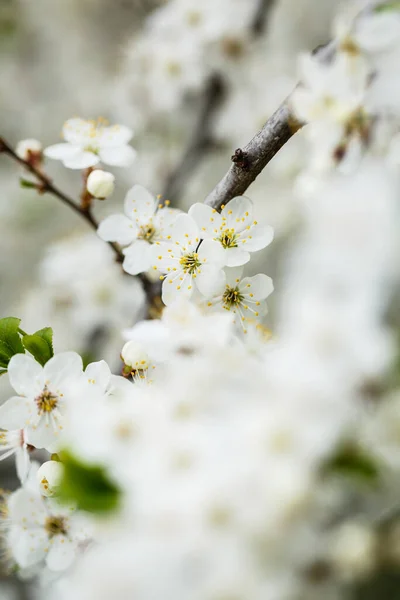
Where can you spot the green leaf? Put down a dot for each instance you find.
(25, 183)
(40, 344)
(88, 485)
(3, 372)
(10, 341)
(353, 462)
(388, 6)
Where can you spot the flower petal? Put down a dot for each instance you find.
(45, 434)
(235, 257)
(61, 554)
(99, 373)
(138, 257)
(81, 160)
(26, 508)
(140, 205)
(185, 231)
(238, 214)
(208, 220)
(16, 413)
(210, 281)
(259, 237)
(22, 463)
(61, 151)
(211, 252)
(116, 135)
(120, 156)
(117, 228)
(62, 368)
(233, 275)
(77, 131)
(25, 374)
(28, 548)
(261, 286)
(171, 289)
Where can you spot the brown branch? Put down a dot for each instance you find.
(248, 162)
(260, 19)
(46, 186)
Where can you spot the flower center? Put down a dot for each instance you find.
(231, 297)
(55, 526)
(147, 232)
(46, 401)
(228, 238)
(91, 148)
(190, 263)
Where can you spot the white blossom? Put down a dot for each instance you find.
(40, 531)
(143, 224)
(26, 148)
(100, 184)
(234, 228)
(42, 395)
(89, 142)
(187, 263)
(244, 297)
(49, 477)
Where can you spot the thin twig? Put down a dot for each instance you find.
(261, 16)
(46, 186)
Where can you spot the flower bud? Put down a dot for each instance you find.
(26, 149)
(49, 476)
(100, 184)
(134, 356)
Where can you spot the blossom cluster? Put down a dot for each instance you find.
(223, 461)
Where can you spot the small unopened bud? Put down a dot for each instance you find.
(100, 184)
(134, 356)
(353, 551)
(49, 477)
(29, 149)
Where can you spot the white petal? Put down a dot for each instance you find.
(117, 228)
(378, 31)
(81, 160)
(16, 413)
(165, 257)
(260, 286)
(164, 218)
(185, 231)
(28, 548)
(61, 554)
(238, 213)
(63, 367)
(258, 238)
(138, 257)
(139, 204)
(22, 463)
(210, 280)
(233, 276)
(121, 156)
(116, 135)
(235, 257)
(211, 252)
(61, 151)
(170, 291)
(45, 434)
(25, 374)
(77, 131)
(207, 219)
(27, 508)
(99, 373)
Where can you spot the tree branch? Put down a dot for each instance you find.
(253, 158)
(45, 186)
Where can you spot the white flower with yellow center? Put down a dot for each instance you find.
(89, 142)
(187, 262)
(42, 394)
(244, 297)
(144, 223)
(234, 229)
(40, 530)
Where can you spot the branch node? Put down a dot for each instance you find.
(241, 159)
